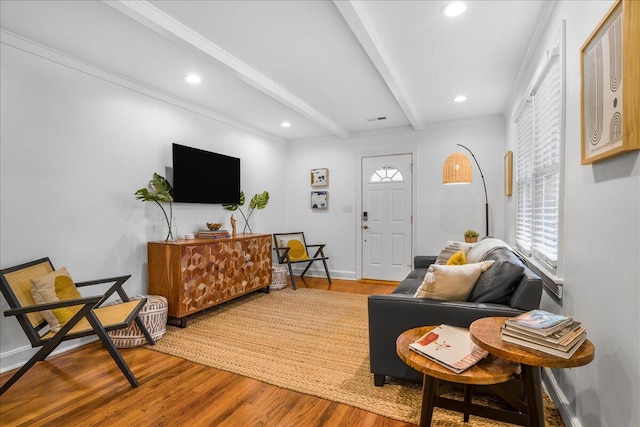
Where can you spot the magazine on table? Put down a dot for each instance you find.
(540, 322)
(449, 346)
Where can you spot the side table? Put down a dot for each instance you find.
(491, 370)
(486, 334)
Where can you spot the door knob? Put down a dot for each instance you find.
(365, 226)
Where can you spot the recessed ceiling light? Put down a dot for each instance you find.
(285, 124)
(455, 8)
(460, 98)
(192, 78)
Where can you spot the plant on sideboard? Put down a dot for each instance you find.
(258, 201)
(160, 191)
(471, 236)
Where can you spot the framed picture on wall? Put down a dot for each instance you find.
(319, 177)
(508, 173)
(319, 200)
(610, 94)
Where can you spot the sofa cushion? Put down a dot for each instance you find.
(417, 273)
(409, 286)
(451, 282)
(496, 284)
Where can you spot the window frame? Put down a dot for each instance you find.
(551, 273)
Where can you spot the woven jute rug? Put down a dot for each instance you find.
(310, 341)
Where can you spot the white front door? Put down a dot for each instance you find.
(386, 216)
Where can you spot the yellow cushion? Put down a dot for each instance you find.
(297, 250)
(53, 287)
(459, 258)
(451, 282)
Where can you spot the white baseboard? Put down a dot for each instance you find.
(17, 357)
(559, 399)
(319, 272)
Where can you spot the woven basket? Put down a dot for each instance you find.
(278, 277)
(153, 316)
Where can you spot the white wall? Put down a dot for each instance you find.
(75, 148)
(601, 258)
(441, 212)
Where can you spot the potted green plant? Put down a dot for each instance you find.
(159, 190)
(258, 201)
(471, 236)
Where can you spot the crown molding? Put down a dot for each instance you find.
(45, 52)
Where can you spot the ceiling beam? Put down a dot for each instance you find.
(155, 19)
(358, 19)
(48, 53)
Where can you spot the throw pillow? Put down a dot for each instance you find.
(53, 287)
(450, 248)
(297, 250)
(496, 284)
(459, 258)
(451, 282)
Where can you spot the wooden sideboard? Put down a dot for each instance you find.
(197, 274)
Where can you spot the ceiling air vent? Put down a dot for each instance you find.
(375, 119)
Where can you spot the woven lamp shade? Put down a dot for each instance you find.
(457, 169)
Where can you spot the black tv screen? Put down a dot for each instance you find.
(201, 176)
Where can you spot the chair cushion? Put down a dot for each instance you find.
(451, 282)
(297, 250)
(295, 243)
(53, 287)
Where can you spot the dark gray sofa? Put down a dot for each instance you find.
(508, 288)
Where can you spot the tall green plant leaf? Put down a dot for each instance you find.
(259, 201)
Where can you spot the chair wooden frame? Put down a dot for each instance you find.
(91, 319)
(282, 253)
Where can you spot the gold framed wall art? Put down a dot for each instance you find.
(508, 173)
(610, 93)
(320, 177)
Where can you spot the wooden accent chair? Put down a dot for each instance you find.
(90, 319)
(292, 248)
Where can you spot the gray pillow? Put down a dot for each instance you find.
(496, 284)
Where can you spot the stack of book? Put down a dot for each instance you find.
(450, 347)
(213, 234)
(544, 331)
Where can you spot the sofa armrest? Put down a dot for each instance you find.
(423, 261)
(391, 315)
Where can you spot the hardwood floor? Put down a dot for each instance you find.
(83, 387)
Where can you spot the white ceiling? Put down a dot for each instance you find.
(325, 66)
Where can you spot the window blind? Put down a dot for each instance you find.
(524, 173)
(538, 151)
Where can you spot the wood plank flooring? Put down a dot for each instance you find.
(83, 387)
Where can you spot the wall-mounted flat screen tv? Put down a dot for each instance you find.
(201, 176)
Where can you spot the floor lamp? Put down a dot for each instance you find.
(457, 169)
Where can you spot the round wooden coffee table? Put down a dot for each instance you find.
(486, 334)
(492, 370)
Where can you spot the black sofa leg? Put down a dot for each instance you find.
(378, 380)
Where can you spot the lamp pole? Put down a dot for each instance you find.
(486, 199)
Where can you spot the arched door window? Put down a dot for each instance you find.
(387, 174)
